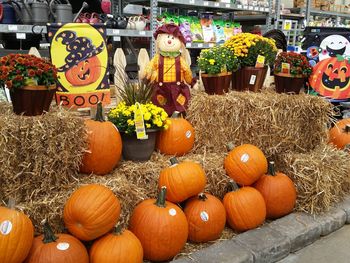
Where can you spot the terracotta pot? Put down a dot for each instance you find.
(138, 150)
(249, 78)
(32, 100)
(216, 84)
(285, 83)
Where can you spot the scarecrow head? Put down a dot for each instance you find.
(82, 66)
(169, 38)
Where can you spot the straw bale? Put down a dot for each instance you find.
(38, 154)
(322, 177)
(277, 123)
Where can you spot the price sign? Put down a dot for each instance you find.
(287, 25)
(20, 35)
(139, 123)
(12, 28)
(206, 3)
(251, 8)
(116, 32)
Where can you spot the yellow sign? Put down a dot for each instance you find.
(139, 123)
(260, 61)
(287, 25)
(285, 68)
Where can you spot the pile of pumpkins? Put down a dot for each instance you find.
(339, 135)
(158, 228)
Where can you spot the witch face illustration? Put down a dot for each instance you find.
(83, 66)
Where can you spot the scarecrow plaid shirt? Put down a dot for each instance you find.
(169, 70)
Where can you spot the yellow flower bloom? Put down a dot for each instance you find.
(148, 125)
(147, 116)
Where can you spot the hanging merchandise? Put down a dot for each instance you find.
(80, 54)
(219, 26)
(169, 71)
(196, 30)
(185, 28)
(207, 27)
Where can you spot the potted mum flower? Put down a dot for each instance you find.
(291, 70)
(216, 65)
(31, 81)
(249, 48)
(133, 113)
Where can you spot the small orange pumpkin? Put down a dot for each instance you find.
(278, 191)
(245, 164)
(105, 146)
(178, 139)
(161, 227)
(245, 207)
(206, 218)
(117, 247)
(183, 180)
(16, 234)
(51, 248)
(85, 73)
(91, 211)
(339, 135)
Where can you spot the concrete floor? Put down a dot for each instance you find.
(334, 248)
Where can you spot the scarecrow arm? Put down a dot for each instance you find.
(152, 69)
(186, 71)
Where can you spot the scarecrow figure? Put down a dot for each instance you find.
(82, 67)
(168, 70)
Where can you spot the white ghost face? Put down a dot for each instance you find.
(334, 45)
(168, 43)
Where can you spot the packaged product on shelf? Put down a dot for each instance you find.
(206, 22)
(228, 29)
(171, 19)
(219, 26)
(196, 29)
(237, 28)
(185, 28)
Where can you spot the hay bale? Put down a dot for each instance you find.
(322, 177)
(40, 153)
(277, 123)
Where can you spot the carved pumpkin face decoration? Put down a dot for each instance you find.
(85, 72)
(331, 78)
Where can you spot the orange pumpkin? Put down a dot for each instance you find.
(331, 78)
(206, 218)
(178, 139)
(16, 235)
(182, 180)
(278, 191)
(339, 135)
(245, 164)
(117, 247)
(51, 248)
(91, 211)
(85, 73)
(105, 146)
(245, 208)
(161, 227)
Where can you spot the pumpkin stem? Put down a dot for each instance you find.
(49, 235)
(271, 169)
(202, 197)
(11, 203)
(347, 128)
(176, 114)
(161, 197)
(118, 230)
(233, 186)
(230, 146)
(174, 161)
(99, 112)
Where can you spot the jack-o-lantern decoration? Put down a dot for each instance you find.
(331, 78)
(85, 73)
(82, 65)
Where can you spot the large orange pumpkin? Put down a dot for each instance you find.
(183, 180)
(331, 78)
(16, 235)
(86, 72)
(206, 218)
(105, 146)
(117, 247)
(245, 208)
(178, 139)
(245, 164)
(51, 248)
(339, 135)
(161, 227)
(278, 191)
(91, 211)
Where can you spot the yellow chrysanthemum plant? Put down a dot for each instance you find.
(123, 117)
(247, 47)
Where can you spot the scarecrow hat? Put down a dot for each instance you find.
(170, 29)
(79, 49)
